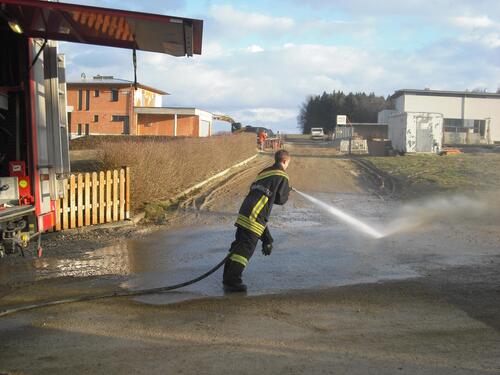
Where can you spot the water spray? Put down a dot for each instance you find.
(345, 217)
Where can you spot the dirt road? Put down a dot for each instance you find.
(328, 300)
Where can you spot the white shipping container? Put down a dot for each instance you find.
(416, 131)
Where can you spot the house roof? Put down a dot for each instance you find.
(175, 36)
(426, 92)
(111, 81)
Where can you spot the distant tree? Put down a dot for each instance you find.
(321, 110)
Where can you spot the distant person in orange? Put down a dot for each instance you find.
(262, 139)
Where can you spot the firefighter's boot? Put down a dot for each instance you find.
(232, 275)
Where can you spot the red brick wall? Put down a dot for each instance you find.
(164, 125)
(101, 106)
(155, 125)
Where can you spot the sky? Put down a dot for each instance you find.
(262, 59)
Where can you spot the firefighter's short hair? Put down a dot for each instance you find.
(281, 156)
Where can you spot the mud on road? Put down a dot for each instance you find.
(328, 300)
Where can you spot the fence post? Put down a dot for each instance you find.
(102, 197)
(65, 205)
(95, 197)
(72, 202)
(122, 194)
(109, 182)
(87, 199)
(127, 193)
(115, 195)
(79, 197)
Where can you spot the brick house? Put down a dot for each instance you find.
(105, 105)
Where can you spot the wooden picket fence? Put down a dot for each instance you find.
(94, 198)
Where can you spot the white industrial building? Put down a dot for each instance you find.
(423, 120)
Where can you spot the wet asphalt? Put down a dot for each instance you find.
(312, 250)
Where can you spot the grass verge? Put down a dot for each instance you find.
(431, 174)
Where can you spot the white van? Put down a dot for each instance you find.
(317, 133)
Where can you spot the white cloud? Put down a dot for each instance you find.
(254, 48)
(260, 87)
(478, 29)
(263, 84)
(472, 22)
(364, 27)
(266, 115)
(435, 10)
(489, 40)
(238, 21)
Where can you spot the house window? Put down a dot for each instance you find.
(96, 93)
(457, 125)
(480, 127)
(96, 118)
(79, 129)
(87, 102)
(115, 118)
(87, 129)
(114, 95)
(80, 99)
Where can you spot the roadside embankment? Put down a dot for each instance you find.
(420, 175)
(161, 167)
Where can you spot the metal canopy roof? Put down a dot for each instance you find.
(106, 27)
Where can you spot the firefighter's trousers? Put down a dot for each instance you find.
(241, 250)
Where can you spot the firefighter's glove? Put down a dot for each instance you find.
(267, 248)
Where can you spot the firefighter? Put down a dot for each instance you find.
(262, 139)
(270, 187)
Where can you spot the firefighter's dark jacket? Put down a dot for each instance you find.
(270, 187)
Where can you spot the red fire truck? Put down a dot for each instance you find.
(34, 155)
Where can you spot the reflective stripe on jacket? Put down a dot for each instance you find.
(270, 187)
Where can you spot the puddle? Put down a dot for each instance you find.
(312, 250)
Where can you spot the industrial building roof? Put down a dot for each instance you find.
(112, 81)
(475, 94)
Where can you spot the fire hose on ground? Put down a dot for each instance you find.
(349, 219)
(122, 293)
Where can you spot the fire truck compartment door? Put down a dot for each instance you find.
(10, 192)
(107, 27)
(55, 112)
